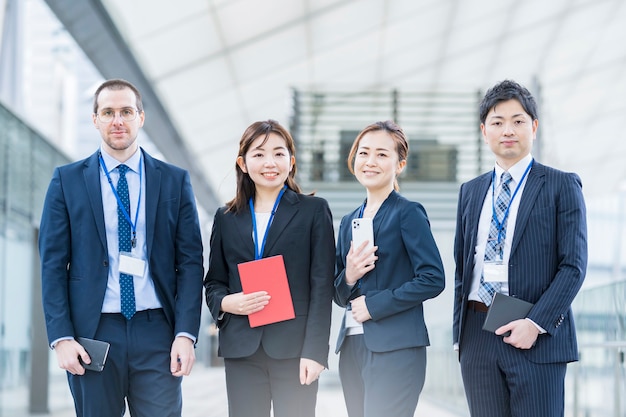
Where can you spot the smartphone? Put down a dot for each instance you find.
(362, 230)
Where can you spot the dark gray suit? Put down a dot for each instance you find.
(547, 265)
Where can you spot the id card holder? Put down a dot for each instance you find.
(131, 265)
(495, 272)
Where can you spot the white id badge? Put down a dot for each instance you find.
(495, 272)
(131, 266)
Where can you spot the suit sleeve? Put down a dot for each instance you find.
(315, 344)
(343, 292)
(54, 249)
(428, 278)
(189, 267)
(459, 260)
(571, 255)
(216, 280)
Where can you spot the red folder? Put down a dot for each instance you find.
(268, 274)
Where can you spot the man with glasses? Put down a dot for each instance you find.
(121, 257)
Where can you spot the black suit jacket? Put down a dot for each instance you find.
(548, 259)
(302, 232)
(75, 260)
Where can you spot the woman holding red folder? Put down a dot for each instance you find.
(383, 338)
(274, 365)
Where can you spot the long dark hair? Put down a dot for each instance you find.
(245, 185)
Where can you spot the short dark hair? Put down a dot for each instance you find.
(504, 91)
(117, 84)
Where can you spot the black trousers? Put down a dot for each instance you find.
(257, 383)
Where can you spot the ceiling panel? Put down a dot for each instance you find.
(219, 65)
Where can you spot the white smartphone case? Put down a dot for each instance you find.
(362, 230)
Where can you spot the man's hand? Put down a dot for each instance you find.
(523, 333)
(309, 371)
(67, 352)
(182, 356)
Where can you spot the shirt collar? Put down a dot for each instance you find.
(516, 171)
(132, 162)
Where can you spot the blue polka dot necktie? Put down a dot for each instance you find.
(494, 248)
(127, 288)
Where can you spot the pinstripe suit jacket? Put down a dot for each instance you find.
(548, 257)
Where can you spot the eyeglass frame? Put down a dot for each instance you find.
(118, 111)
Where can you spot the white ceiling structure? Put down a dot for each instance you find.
(218, 65)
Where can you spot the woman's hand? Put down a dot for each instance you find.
(359, 262)
(360, 313)
(309, 371)
(245, 304)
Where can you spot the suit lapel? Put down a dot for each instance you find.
(534, 183)
(91, 176)
(243, 224)
(475, 204)
(153, 189)
(475, 198)
(287, 208)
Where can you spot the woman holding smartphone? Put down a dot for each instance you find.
(275, 365)
(383, 337)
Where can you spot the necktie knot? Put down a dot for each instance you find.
(123, 169)
(506, 178)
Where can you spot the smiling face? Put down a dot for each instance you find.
(267, 162)
(119, 137)
(376, 163)
(509, 131)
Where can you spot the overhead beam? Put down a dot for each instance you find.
(89, 23)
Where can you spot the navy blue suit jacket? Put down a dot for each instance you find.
(302, 231)
(75, 260)
(408, 272)
(548, 257)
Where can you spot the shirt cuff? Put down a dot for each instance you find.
(541, 329)
(54, 343)
(188, 336)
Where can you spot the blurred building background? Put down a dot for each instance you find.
(326, 69)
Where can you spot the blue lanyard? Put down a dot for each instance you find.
(259, 254)
(500, 224)
(119, 201)
(362, 209)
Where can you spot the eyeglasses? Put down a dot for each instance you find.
(128, 114)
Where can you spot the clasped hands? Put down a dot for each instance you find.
(359, 262)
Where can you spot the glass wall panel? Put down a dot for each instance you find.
(26, 164)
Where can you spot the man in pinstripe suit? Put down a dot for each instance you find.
(542, 258)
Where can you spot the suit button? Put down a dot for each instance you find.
(105, 263)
